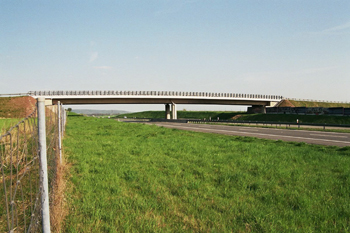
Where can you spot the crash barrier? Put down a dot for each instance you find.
(271, 123)
(276, 124)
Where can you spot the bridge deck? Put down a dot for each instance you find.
(155, 97)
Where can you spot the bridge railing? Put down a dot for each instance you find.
(155, 93)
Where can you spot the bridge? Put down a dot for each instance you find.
(169, 98)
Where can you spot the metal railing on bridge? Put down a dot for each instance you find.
(156, 93)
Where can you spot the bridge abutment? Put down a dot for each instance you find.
(257, 109)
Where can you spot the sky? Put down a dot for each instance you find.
(294, 48)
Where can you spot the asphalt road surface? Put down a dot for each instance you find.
(312, 137)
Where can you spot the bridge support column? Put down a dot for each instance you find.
(167, 112)
(257, 109)
(173, 111)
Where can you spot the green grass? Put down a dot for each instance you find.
(74, 114)
(7, 123)
(183, 114)
(140, 178)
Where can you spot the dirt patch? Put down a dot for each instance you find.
(236, 117)
(286, 103)
(16, 107)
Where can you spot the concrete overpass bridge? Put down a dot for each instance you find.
(169, 98)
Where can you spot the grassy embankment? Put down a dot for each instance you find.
(141, 178)
(311, 104)
(5, 123)
(245, 117)
(12, 110)
(9, 107)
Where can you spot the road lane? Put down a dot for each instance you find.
(312, 137)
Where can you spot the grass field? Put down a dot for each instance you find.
(140, 178)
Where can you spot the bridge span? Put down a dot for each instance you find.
(257, 101)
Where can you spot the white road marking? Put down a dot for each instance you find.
(324, 135)
(255, 130)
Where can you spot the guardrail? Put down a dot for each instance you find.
(155, 93)
(271, 123)
(13, 94)
(265, 123)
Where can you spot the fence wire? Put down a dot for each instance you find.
(20, 191)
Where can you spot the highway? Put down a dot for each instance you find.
(311, 137)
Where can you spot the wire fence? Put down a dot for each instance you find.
(21, 179)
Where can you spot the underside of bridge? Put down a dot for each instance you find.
(170, 104)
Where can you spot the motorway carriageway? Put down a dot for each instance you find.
(311, 137)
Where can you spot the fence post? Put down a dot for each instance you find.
(43, 165)
(59, 124)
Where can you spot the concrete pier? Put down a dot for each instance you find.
(167, 112)
(173, 111)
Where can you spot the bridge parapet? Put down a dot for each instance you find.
(157, 93)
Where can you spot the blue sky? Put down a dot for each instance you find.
(294, 48)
